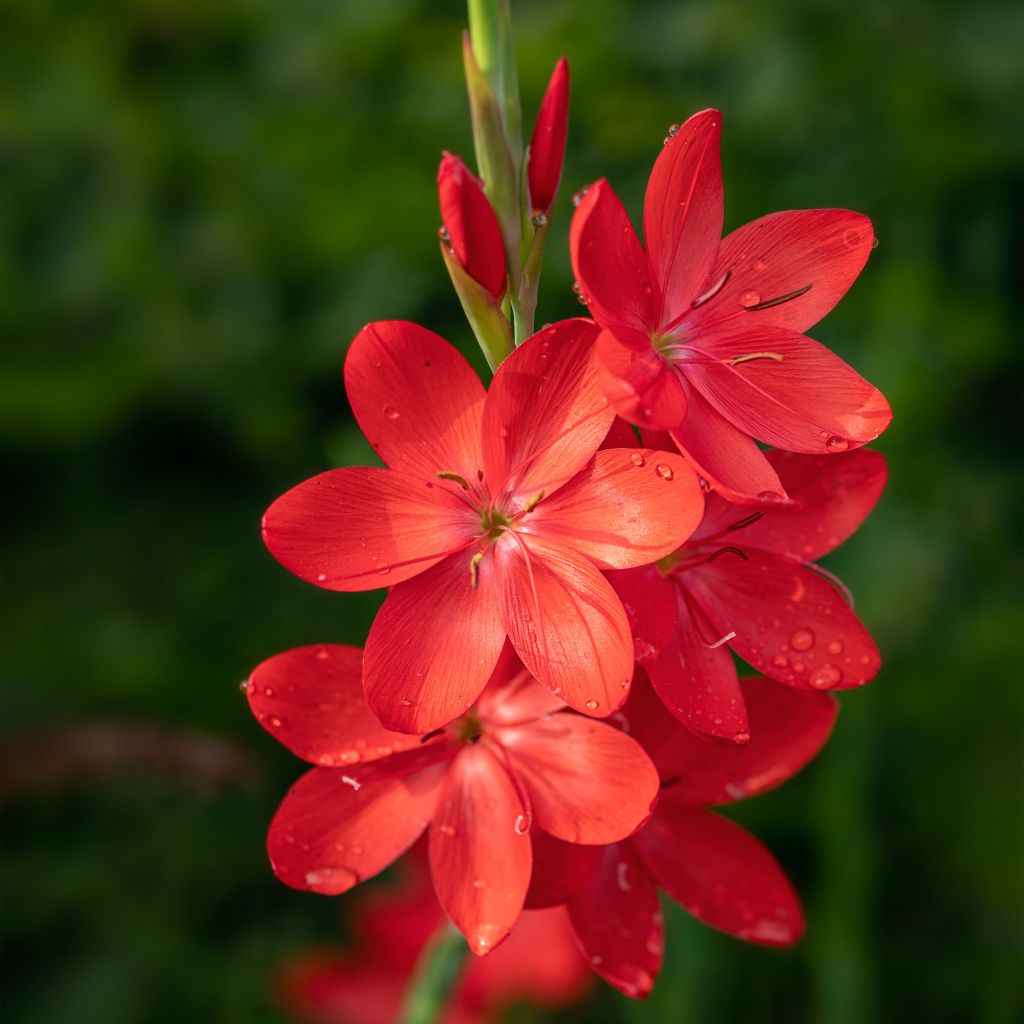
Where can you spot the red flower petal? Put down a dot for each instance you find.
(618, 922)
(433, 646)
(720, 874)
(620, 435)
(649, 601)
(559, 869)
(337, 827)
(790, 623)
(311, 700)
(783, 253)
(547, 144)
(472, 225)
(417, 400)
(831, 496)
(513, 696)
(787, 729)
(566, 623)
(480, 855)
(698, 684)
(363, 528)
(609, 263)
(587, 782)
(627, 507)
(545, 414)
(724, 455)
(799, 396)
(683, 211)
(639, 383)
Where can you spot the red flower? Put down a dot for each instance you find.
(703, 337)
(494, 519)
(713, 868)
(516, 758)
(547, 144)
(470, 225)
(744, 582)
(539, 962)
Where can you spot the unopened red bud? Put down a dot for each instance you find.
(547, 146)
(472, 227)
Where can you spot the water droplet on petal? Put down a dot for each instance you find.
(349, 781)
(835, 647)
(591, 705)
(874, 243)
(637, 458)
(748, 299)
(521, 825)
(405, 702)
(383, 569)
(503, 432)
(826, 677)
(276, 723)
(837, 444)
(446, 830)
(479, 883)
(391, 412)
(742, 738)
(244, 686)
(622, 876)
(780, 661)
(665, 472)
(801, 640)
(331, 881)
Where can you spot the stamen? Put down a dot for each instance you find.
(750, 356)
(431, 735)
(746, 521)
(780, 299)
(712, 291)
(836, 582)
(728, 549)
(533, 502)
(455, 477)
(721, 640)
(474, 569)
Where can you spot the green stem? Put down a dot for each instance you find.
(436, 973)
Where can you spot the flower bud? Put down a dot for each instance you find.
(472, 228)
(547, 146)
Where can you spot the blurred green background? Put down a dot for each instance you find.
(201, 203)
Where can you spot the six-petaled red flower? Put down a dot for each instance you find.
(494, 519)
(745, 582)
(516, 759)
(703, 336)
(712, 867)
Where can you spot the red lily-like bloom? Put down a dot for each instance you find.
(547, 144)
(518, 757)
(703, 337)
(538, 964)
(744, 582)
(470, 225)
(716, 870)
(494, 519)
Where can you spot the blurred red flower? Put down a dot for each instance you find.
(744, 582)
(494, 520)
(703, 336)
(539, 964)
(716, 870)
(517, 758)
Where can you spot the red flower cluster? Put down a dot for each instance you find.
(536, 549)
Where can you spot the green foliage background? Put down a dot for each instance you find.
(201, 203)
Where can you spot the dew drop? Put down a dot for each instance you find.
(391, 412)
(801, 640)
(349, 781)
(479, 883)
(837, 444)
(446, 830)
(826, 677)
(780, 661)
(835, 647)
(503, 433)
(637, 458)
(383, 569)
(748, 299)
(321, 576)
(268, 692)
(405, 702)
(521, 824)
(591, 705)
(665, 472)
(578, 197)
(244, 686)
(742, 738)
(276, 723)
(799, 666)
(442, 233)
(622, 876)
(331, 881)
(874, 243)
